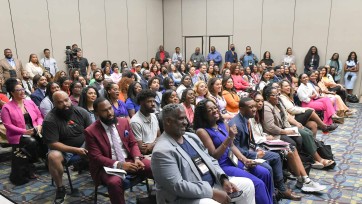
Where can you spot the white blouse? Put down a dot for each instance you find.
(33, 70)
(288, 60)
(257, 129)
(304, 92)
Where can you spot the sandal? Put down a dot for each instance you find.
(326, 162)
(351, 110)
(317, 165)
(338, 120)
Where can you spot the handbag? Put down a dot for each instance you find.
(325, 151)
(151, 199)
(352, 98)
(21, 169)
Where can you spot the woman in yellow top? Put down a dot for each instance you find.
(329, 87)
(231, 97)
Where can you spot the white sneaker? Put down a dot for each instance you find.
(312, 187)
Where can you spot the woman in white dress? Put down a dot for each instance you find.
(351, 68)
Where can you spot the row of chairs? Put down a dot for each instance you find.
(128, 183)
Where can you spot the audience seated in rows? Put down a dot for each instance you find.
(144, 110)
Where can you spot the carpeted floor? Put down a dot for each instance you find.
(344, 182)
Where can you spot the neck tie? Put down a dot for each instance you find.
(205, 78)
(116, 145)
(29, 86)
(251, 139)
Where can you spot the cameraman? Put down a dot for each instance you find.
(82, 63)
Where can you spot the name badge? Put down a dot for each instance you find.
(233, 158)
(250, 62)
(200, 165)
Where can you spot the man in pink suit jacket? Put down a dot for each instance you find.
(102, 152)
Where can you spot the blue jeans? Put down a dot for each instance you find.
(274, 165)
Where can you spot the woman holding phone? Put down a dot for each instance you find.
(351, 68)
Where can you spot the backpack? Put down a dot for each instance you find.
(325, 151)
(307, 161)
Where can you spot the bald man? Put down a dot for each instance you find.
(63, 129)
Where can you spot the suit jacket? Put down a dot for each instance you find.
(242, 137)
(229, 57)
(201, 77)
(167, 55)
(176, 176)
(99, 147)
(5, 68)
(37, 96)
(14, 122)
(273, 123)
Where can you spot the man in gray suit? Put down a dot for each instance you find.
(185, 173)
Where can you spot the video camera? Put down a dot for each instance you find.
(71, 55)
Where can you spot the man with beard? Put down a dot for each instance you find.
(277, 75)
(27, 83)
(98, 77)
(111, 143)
(9, 67)
(63, 129)
(145, 78)
(144, 123)
(39, 94)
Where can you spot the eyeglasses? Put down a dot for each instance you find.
(275, 95)
(19, 90)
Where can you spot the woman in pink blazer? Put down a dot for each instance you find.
(21, 118)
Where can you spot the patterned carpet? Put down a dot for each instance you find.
(344, 182)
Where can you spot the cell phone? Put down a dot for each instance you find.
(235, 194)
(259, 161)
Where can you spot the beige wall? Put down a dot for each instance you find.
(127, 29)
(273, 25)
(105, 29)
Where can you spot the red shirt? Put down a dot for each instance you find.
(162, 57)
(4, 98)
